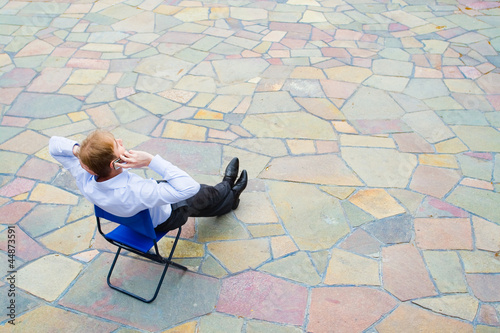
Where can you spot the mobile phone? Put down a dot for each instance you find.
(118, 160)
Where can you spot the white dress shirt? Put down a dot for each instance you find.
(127, 193)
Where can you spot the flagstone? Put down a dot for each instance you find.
(413, 319)
(379, 167)
(389, 83)
(72, 238)
(258, 209)
(364, 105)
(338, 89)
(484, 286)
(305, 169)
(404, 273)
(237, 70)
(361, 242)
(480, 262)
(254, 326)
(351, 269)
(392, 67)
(476, 201)
(475, 167)
(297, 267)
(366, 141)
(46, 193)
(48, 276)
(91, 289)
(300, 147)
(347, 309)
(348, 73)
(434, 181)
(443, 234)
(392, 230)
(446, 271)
(38, 169)
(288, 125)
(428, 125)
(229, 253)
(17, 77)
(220, 228)
(487, 234)
(479, 138)
(261, 296)
(48, 318)
(16, 187)
(451, 146)
(328, 216)
(433, 207)
(412, 143)
(488, 315)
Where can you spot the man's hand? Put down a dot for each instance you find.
(134, 159)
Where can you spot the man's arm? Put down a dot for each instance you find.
(65, 151)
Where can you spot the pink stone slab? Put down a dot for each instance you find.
(486, 287)
(434, 181)
(13, 212)
(8, 95)
(412, 143)
(18, 186)
(26, 248)
(443, 234)
(88, 63)
(452, 72)
(404, 273)
(338, 89)
(14, 121)
(347, 309)
(335, 52)
(257, 295)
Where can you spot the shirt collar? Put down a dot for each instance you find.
(117, 181)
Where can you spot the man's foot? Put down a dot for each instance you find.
(240, 185)
(231, 171)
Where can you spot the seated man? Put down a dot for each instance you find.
(99, 167)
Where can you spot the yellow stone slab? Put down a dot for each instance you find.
(366, 141)
(445, 161)
(50, 194)
(205, 114)
(87, 76)
(298, 147)
(184, 328)
(265, 230)
(452, 146)
(348, 73)
(76, 89)
(219, 13)
(101, 47)
(71, 238)
(77, 116)
(184, 248)
(240, 255)
(192, 14)
(307, 73)
(282, 246)
(176, 130)
(167, 10)
(377, 202)
(351, 269)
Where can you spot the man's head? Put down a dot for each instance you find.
(98, 151)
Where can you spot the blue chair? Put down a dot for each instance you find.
(136, 234)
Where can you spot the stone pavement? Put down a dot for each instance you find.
(369, 128)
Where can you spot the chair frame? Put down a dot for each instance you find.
(155, 256)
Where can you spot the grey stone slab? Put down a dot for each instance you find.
(304, 88)
(479, 138)
(380, 167)
(392, 230)
(356, 215)
(269, 102)
(164, 66)
(326, 223)
(153, 103)
(44, 218)
(428, 125)
(392, 67)
(475, 168)
(477, 201)
(369, 103)
(43, 105)
(463, 117)
(426, 88)
(184, 295)
(297, 267)
(237, 70)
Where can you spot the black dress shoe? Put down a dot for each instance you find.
(240, 185)
(231, 171)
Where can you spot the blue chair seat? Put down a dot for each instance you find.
(125, 235)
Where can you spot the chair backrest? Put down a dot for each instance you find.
(140, 222)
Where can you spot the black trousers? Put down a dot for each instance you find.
(209, 201)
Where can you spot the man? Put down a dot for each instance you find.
(100, 165)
